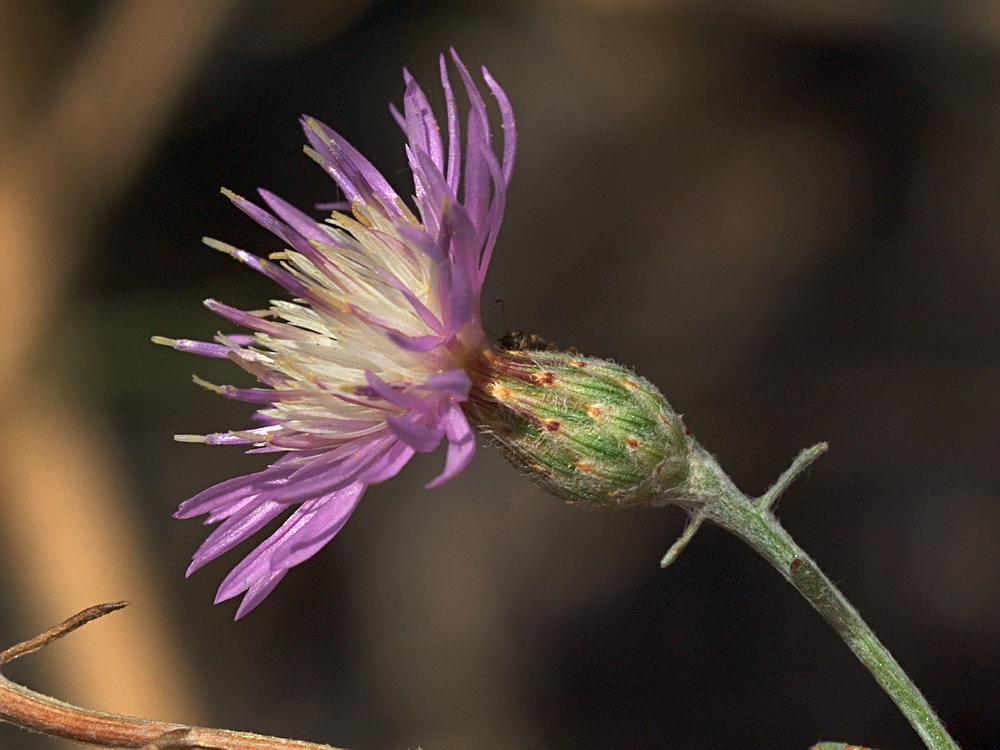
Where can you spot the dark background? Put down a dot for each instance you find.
(783, 214)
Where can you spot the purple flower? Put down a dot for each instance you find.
(370, 361)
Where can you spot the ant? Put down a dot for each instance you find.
(526, 342)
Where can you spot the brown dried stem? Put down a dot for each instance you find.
(40, 713)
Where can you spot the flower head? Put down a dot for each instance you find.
(370, 362)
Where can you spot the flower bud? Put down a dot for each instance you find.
(585, 429)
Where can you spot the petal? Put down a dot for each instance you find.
(328, 518)
(257, 323)
(451, 382)
(389, 465)
(295, 219)
(419, 123)
(454, 128)
(416, 343)
(262, 217)
(272, 270)
(305, 532)
(234, 530)
(201, 348)
(422, 438)
(461, 445)
(355, 175)
(386, 392)
(427, 317)
(231, 491)
(508, 126)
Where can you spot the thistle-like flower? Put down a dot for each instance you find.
(381, 354)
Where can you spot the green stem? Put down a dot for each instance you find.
(715, 498)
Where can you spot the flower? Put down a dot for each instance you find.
(370, 362)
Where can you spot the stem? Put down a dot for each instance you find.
(716, 499)
(30, 710)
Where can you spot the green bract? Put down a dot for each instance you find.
(585, 429)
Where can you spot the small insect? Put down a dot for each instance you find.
(519, 341)
(528, 342)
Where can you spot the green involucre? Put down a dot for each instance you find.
(585, 429)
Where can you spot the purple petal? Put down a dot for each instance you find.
(271, 224)
(322, 478)
(256, 323)
(461, 445)
(272, 270)
(451, 382)
(463, 250)
(476, 184)
(389, 465)
(454, 129)
(433, 193)
(392, 395)
(294, 218)
(420, 126)
(327, 519)
(508, 126)
(334, 206)
(356, 176)
(231, 491)
(201, 348)
(256, 592)
(241, 339)
(314, 523)
(235, 530)
(262, 395)
(415, 343)
(422, 438)
(493, 219)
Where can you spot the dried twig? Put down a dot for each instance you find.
(36, 712)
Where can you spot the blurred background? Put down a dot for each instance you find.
(785, 214)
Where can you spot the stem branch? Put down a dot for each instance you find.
(36, 712)
(716, 499)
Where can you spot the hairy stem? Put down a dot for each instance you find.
(716, 499)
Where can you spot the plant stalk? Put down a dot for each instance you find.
(716, 499)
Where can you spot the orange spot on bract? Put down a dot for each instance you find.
(578, 363)
(584, 467)
(552, 425)
(594, 411)
(632, 442)
(499, 392)
(544, 378)
(634, 386)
